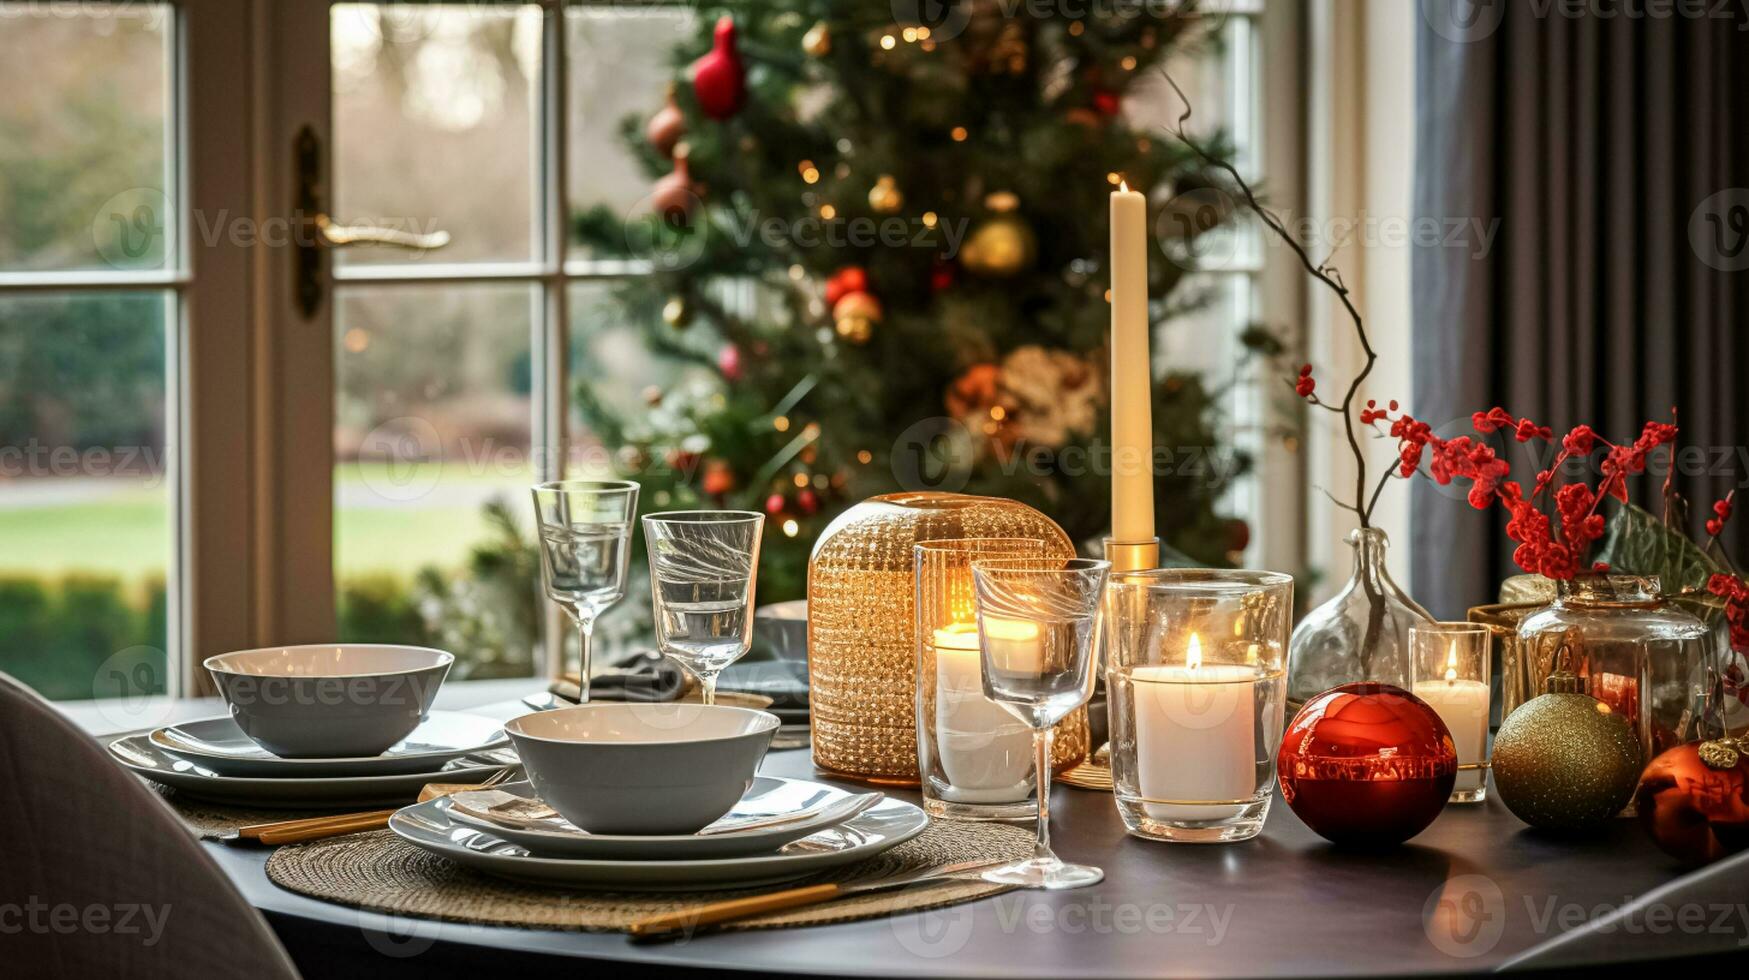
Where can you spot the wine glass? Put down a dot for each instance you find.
(703, 566)
(1038, 627)
(585, 529)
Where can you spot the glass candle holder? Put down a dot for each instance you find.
(974, 756)
(1450, 663)
(1197, 683)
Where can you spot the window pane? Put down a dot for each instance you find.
(82, 135)
(85, 515)
(620, 66)
(432, 436)
(435, 126)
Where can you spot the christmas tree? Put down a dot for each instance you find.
(888, 242)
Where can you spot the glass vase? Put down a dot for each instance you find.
(1644, 656)
(1360, 634)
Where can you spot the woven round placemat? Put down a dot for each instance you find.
(382, 873)
(210, 821)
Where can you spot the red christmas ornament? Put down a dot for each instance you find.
(1367, 764)
(850, 279)
(666, 127)
(808, 501)
(673, 195)
(1106, 102)
(1694, 800)
(729, 362)
(774, 504)
(719, 478)
(719, 80)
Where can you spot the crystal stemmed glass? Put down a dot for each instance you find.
(585, 529)
(1038, 627)
(703, 567)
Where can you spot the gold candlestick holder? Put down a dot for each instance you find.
(1132, 556)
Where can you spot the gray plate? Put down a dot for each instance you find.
(136, 752)
(219, 744)
(888, 824)
(768, 796)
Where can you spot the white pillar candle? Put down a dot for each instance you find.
(1132, 426)
(1196, 736)
(1463, 706)
(985, 751)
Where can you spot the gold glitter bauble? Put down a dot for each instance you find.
(856, 329)
(884, 197)
(1565, 761)
(999, 247)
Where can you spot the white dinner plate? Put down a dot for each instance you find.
(136, 752)
(889, 823)
(219, 744)
(769, 796)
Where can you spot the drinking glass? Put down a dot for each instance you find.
(585, 529)
(1038, 627)
(703, 566)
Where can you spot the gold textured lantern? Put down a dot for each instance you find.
(862, 653)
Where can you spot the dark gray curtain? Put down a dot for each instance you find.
(1614, 154)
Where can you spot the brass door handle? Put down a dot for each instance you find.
(310, 264)
(341, 236)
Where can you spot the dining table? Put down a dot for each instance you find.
(1477, 891)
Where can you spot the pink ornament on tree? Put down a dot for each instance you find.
(719, 80)
(729, 362)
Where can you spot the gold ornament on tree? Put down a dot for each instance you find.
(884, 197)
(818, 40)
(677, 313)
(1564, 760)
(854, 316)
(1001, 245)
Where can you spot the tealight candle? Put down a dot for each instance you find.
(985, 751)
(1451, 675)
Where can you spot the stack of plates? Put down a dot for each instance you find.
(211, 759)
(556, 853)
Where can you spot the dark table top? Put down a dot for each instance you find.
(1473, 892)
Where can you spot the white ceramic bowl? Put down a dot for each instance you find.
(639, 769)
(330, 700)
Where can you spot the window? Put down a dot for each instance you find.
(91, 294)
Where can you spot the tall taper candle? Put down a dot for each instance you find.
(1132, 426)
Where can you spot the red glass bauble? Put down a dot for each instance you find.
(1367, 764)
(1697, 812)
(673, 196)
(850, 279)
(719, 81)
(729, 362)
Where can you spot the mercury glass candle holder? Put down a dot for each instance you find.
(1450, 663)
(1197, 681)
(973, 755)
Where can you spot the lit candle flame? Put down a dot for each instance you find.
(1193, 653)
(1123, 185)
(1451, 662)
